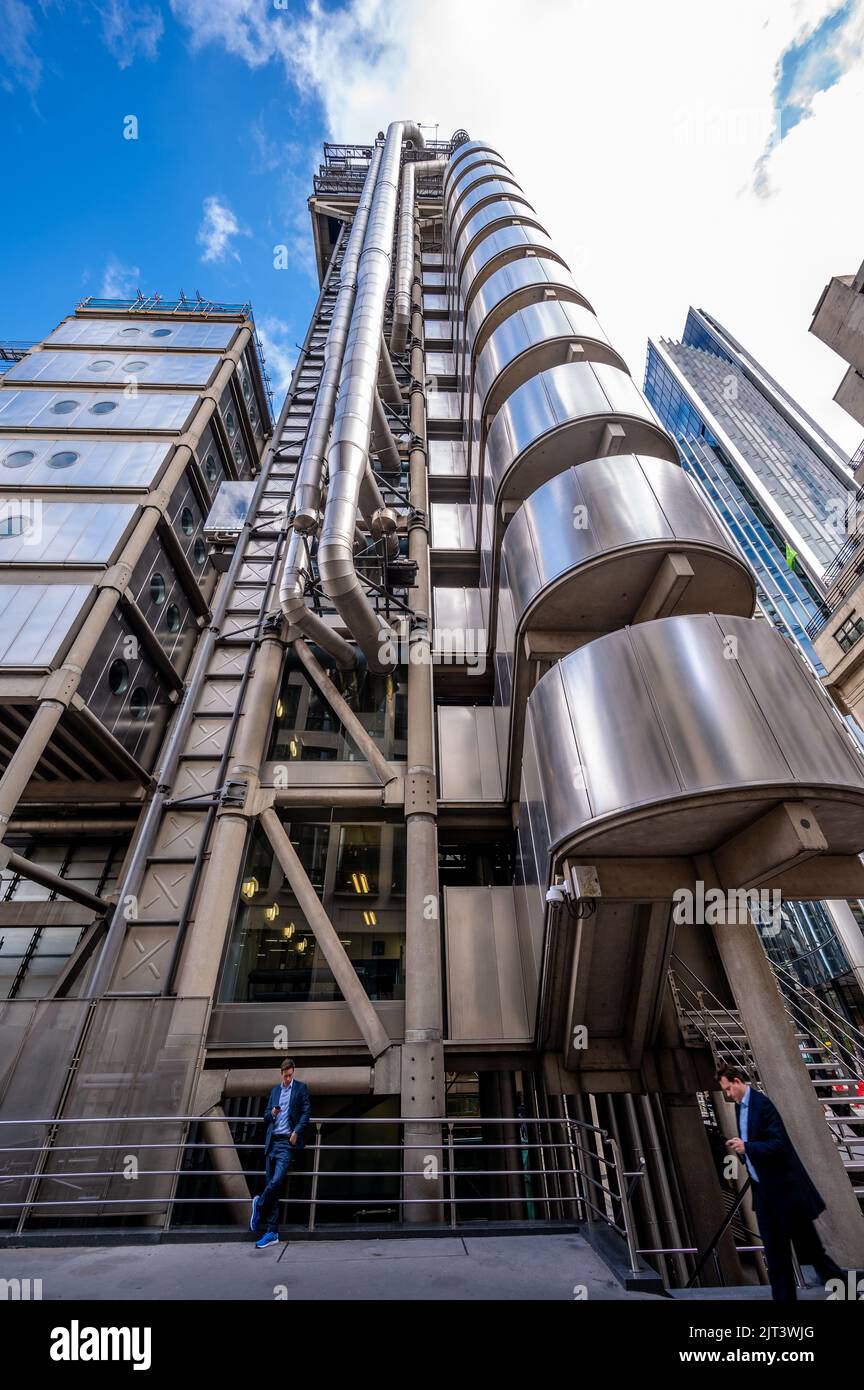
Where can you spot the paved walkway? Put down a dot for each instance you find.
(492, 1267)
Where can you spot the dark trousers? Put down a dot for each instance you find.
(276, 1166)
(780, 1231)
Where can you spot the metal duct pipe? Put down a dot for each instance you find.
(348, 453)
(308, 492)
(293, 603)
(388, 387)
(383, 443)
(405, 250)
(322, 1081)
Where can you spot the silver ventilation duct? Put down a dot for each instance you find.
(348, 454)
(405, 250)
(300, 615)
(388, 387)
(308, 495)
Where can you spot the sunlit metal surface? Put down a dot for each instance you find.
(668, 737)
(526, 434)
(73, 408)
(29, 461)
(141, 333)
(35, 620)
(118, 368)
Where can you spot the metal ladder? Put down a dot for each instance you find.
(179, 849)
(832, 1050)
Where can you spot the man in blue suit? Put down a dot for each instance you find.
(785, 1199)
(285, 1122)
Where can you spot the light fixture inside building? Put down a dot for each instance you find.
(302, 944)
(293, 748)
(249, 889)
(370, 919)
(361, 883)
(289, 931)
(271, 912)
(280, 709)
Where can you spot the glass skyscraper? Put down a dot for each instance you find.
(782, 487)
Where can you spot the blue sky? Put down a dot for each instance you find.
(720, 173)
(106, 212)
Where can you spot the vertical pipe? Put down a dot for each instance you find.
(424, 1015)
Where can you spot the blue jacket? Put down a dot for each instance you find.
(784, 1184)
(298, 1114)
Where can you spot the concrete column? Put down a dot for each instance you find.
(788, 1084)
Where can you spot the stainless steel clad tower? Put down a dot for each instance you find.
(479, 722)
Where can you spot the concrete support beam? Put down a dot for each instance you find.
(784, 838)
(667, 586)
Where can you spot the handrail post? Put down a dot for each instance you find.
(452, 1174)
(626, 1214)
(316, 1169)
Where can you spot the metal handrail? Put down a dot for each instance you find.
(604, 1194)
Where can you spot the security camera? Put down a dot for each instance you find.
(556, 896)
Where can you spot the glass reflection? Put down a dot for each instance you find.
(358, 872)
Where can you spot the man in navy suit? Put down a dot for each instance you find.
(285, 1122)
(785, 1199)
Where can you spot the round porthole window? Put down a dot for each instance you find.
(14, 525)
(103, 407)
(211, 468)
(157, 589)
(103, 365)
(135, 367)
(187, 521)
(64, 407)
(200, 551)
(238, 452)
(19, 459)
(64, 459)
(230, 422)
(130, 333)
(138, 703)
(172, 617)
(162, 332)
(247, 390)
(118, 676)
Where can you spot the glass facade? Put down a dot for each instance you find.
(358, 871)
(779, 485)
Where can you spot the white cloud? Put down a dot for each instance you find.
(280, 353)
(641, 170)
(17, 52)
(130, 30)
(119, 281)
(218, 226)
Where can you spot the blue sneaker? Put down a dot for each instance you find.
(269, 1238)
(255, 1223)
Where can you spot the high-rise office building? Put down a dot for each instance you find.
(781, 487)
(477, 721)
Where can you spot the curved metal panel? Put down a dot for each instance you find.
(506, 212)
(668, 737)
(532, 340)
(501, 247)
(471, 147)
(619, 515)
(477, 173)
(512, 287)
(583, 396)
(487, 191)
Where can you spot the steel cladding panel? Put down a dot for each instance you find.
(485, 988)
